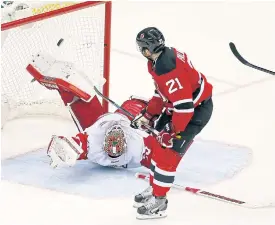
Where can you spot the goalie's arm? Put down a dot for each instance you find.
(63, 150)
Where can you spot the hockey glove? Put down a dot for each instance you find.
(167, 135)
(143, 118)
(62, 150)
(168, 108)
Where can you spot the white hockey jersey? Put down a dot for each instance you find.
(134, 138)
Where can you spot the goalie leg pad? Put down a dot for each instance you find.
(86, 113)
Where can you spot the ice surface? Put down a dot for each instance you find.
(90, 180)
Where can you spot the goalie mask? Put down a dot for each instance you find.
(115, 141)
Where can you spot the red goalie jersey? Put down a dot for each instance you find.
(179, 83)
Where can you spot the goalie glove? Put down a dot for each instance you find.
(63, 150)
(143, 118)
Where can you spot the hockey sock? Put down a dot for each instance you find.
(165, 163)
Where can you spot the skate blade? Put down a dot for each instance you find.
(160, 214)
(138, 204)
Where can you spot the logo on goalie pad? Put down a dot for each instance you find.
(51, 86)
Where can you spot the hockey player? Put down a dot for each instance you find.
(176, 82)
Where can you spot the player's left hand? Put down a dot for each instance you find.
(167, 135)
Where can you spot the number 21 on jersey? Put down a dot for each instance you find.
(173, 85)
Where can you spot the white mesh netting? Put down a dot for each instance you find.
(82, 29)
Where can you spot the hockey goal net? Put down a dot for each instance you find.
(30, 27)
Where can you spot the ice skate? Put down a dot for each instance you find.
(154, 208)
(143, 197)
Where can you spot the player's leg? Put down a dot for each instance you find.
(147, 154)
(199, 120)
(150, 143)
(165, 162)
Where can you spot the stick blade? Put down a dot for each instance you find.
(245, 62)
(237, 54)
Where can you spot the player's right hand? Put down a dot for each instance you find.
(144, 118)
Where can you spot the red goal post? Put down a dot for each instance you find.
(85, 20)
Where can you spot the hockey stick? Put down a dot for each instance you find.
(113, 103)
(151, 129)
(218, 197)
(245, 62)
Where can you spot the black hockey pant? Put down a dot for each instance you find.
(202, 115)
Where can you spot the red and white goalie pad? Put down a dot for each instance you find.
(63, 150)
(56, 74)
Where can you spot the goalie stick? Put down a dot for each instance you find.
(218, 197)
(245, 62)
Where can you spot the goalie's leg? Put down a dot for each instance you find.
(84, 108)
(86, 113)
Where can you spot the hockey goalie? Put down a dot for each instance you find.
(104, 138)
(107, 139)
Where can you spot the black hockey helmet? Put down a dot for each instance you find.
(150, 38)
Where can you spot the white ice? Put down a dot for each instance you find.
(244, 114)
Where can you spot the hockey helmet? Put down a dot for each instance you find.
(150, 38)
(115, 141)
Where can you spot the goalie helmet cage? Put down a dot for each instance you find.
(89, 23)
